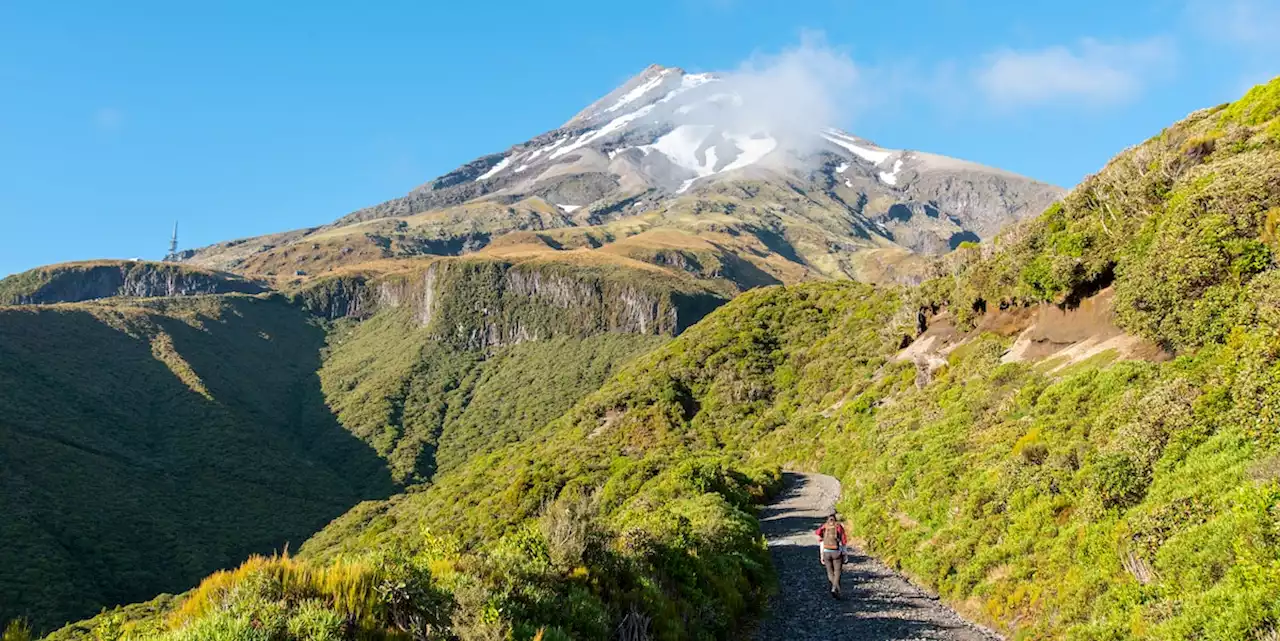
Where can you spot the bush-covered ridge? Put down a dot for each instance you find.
(415, 400)
(1185, 223)
(76, 282)
(460, 356)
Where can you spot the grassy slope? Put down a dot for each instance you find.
(731, 237)
(137, 456)
(424, 405)
(651, 456)
(643, 413)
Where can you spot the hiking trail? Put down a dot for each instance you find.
(878, 604)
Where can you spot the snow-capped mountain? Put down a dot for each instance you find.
(692, 153)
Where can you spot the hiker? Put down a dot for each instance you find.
(831, 553)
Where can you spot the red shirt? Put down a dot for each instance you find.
(844, 538)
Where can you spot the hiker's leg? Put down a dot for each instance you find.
(837, 566)
(830, 562)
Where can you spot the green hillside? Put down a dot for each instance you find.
(138, 456)
(1107, 499)
(423, 404)
(180, 394)
(463, 355)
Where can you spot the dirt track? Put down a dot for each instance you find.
(878, 604)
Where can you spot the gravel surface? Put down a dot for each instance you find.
(878, 604)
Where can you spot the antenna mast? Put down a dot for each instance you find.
(173, 242)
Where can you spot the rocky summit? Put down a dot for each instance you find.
(689, 172)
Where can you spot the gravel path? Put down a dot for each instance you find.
(878, 604)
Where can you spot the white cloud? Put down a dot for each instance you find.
(790, 94)
(1246, 23)
(805, 87)
(1093, 73)
(108, 119)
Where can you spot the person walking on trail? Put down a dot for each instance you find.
(831, 552)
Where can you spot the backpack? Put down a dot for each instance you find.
(831, 537)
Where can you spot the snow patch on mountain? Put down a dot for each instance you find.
(752, 148)
(891, 178)
(687, 82)
(614, 125)
(873, 156)
(502, 164)
(699, 149)
(682, 146)
(640, 91)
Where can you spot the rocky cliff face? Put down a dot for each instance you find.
(76, 282)
(334, 297)
(484, 304)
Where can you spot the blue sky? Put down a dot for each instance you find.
(243, 118)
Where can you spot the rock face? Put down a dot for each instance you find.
(484, 304)
(76, 282)
(674, 151)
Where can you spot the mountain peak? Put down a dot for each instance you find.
(674, 150)
(649, 81)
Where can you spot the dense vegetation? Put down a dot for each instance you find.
(1184, 223)
(136, 456)
(1105, 500)
(424, 405)
(264, 386)
(632, 509)
(671, 552)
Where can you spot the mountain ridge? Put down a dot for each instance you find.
(657, 148)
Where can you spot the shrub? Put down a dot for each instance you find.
(1116, 480)
(17, 630)
(348, 588)
(313, 621)
(1260, 104)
